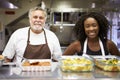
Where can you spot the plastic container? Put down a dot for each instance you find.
(109, 63)
(75, 64)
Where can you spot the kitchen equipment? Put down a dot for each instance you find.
(64, 33)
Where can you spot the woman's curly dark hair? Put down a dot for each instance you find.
(102, 22)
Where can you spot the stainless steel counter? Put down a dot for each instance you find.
(16, 73)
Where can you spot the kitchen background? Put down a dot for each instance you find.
(62, 16)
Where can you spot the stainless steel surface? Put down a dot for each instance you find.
(12, 72)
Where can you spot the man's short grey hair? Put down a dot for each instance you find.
(37, 8)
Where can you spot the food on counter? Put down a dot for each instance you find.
(27, 63)
(1, 57)
(1, 60)
(76, 64)
(36, 65)
(112, 64)
(111, 61)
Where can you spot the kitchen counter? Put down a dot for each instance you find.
(16, 73)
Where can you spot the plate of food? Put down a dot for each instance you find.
(109, 63)
(76, 64)
(36, 65)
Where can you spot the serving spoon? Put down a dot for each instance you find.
(23, 58)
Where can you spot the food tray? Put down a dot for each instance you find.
(108, 63)
(36, 65)
(75, 64)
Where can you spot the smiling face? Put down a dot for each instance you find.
(91, 27)
(37, 21)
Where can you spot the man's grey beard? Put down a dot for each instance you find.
(36, 28)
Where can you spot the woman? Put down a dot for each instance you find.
(91, 31)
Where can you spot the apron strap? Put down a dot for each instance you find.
(85, 47)
(45, 37)
(101, 46)
(28, 41)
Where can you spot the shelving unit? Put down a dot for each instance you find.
(62, 23)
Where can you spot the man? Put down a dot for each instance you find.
(33, 42)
